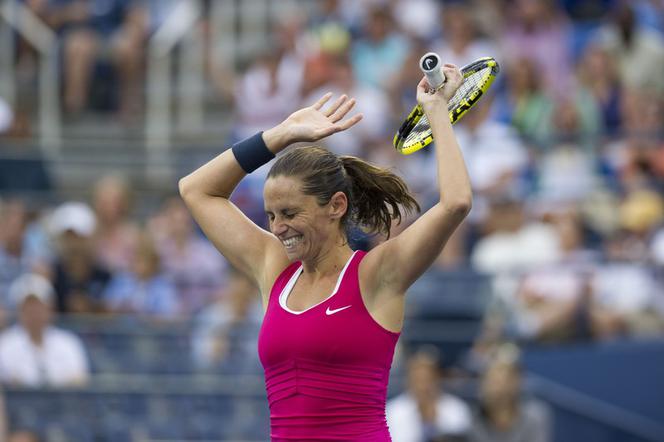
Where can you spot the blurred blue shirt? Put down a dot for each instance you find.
(154, 297)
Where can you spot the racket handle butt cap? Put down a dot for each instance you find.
(431, 65)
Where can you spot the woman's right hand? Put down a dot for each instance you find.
(312, 123)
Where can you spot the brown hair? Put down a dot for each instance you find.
(375, 195)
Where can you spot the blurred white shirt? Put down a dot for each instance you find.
(492, 150)
(61, 360)
(532, 246)
(453, 417)
(626, 288)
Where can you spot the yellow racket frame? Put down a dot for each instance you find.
(456, 111)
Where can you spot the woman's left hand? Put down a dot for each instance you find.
(438, 100)
(314, 122)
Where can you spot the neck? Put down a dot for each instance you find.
(105, 224)
(78, 266)
(329, 262)
(503, 415)
(36, 336)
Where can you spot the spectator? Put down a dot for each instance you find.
(372, 103)
(503, 414)
(641, 211)
(273, 82)
(327, 39)
(461, 43)
(552, 300)
(144, 289)
(425, 412)
(399, 89)
(525, 104)
(194, 265)
(34, 353)
(496, 157)
(557, 296)
(630, 45)
(14, 259)
(418, 19)
(637, 160)
(575, 118)
(61, 15)
(116, 234)
(513, 243)
(378, 56)
(627, 296)
(566, 174)
(597, 73)
(116, 28)
(537, 30)
(225, 329)
(79, 279)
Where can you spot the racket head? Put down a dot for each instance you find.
(415, 132)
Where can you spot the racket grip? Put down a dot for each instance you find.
(431, 65)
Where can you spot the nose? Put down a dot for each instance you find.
(278, 227)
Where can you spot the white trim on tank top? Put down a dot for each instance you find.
(285, 292)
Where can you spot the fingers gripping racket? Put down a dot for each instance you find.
(415, 132)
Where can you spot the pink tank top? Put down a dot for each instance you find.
(327, 367)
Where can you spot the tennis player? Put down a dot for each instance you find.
(332, 315)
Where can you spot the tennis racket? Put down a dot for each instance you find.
(415, 132)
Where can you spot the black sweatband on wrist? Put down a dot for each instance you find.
(252, 153)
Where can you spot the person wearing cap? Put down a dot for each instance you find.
(33, 353)
(79, 279)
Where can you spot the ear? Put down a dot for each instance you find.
(338, 205)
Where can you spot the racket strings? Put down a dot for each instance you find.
(470, 84)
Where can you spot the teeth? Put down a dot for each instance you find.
(291, 241)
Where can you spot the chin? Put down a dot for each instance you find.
(294, 255)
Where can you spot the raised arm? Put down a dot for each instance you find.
(252, 250)
(394, 265)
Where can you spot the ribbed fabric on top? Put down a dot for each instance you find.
(327, 367)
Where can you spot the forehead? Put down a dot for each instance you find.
(282, 190)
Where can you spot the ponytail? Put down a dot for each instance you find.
(376, 196)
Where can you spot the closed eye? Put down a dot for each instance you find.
(285, 214)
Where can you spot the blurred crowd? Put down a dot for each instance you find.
(566, 157)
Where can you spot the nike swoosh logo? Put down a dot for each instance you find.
(336, 310)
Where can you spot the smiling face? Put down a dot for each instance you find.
(303, 226)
